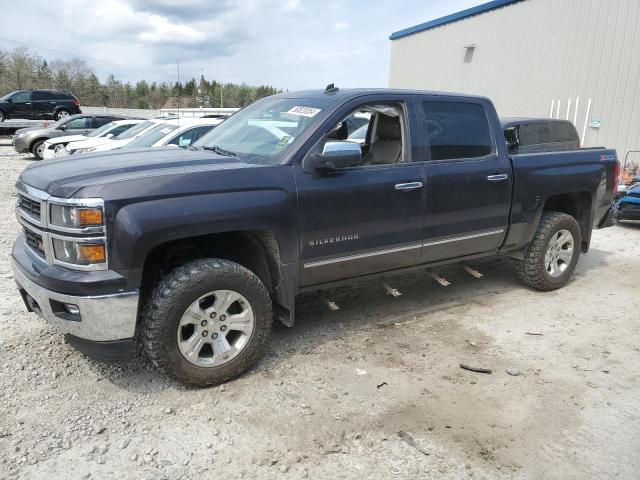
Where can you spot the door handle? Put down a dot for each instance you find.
(27, 103)
(498, 178)
(409, 186)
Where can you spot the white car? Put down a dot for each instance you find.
(107, 131)
(179, 132)
(91, 145)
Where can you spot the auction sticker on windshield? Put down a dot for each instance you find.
(304, 111)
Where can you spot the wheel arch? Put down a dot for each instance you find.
(256, 249)
(577, 204)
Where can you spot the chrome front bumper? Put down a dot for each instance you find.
(100, 318)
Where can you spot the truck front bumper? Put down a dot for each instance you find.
(99, 318)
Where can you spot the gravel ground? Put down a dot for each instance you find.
(331, 395)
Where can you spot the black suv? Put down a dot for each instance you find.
(38, 104)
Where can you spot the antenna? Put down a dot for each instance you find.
(331, 88)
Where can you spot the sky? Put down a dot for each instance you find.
(289, 44)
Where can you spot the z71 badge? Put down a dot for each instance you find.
(338, 239)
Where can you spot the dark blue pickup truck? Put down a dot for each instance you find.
(195, 252)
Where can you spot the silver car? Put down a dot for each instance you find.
(31, 140)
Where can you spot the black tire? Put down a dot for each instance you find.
(60, 113)
(2, 117)
(176, 292)
(532, 270)
(35, 149)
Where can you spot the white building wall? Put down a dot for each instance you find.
(532, 54)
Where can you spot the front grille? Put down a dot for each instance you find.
(34, 241)
(32, 207)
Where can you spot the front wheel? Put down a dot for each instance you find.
(553, 254)
(37, 149)
(207, 321)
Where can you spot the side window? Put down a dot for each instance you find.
(457, 130)
(40, 95)
(119, 129)
(535, 133)
(378, 129)
(188, 137)
(21, 97)
(78, 123)
(100, 121)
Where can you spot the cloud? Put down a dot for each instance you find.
(340, 26)
(164, 31)
(291, 44)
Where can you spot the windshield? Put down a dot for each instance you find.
(265, 129)
(133, 131)
(99, 131)
(147, 139)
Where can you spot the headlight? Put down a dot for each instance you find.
(69, 216)
(85, 150)
(79, 253)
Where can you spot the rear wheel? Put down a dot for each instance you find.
(207, 322)
(37, 149)
(553, 254)
(60, 114)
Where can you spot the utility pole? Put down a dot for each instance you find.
(179, 86)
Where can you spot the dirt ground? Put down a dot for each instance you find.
(331, 395)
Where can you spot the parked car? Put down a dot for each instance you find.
(195, 251)
(529, 135)
(91, 145)
(107, 131)
(628, 207)
(32, 140)
(180, 132)
(38, 104)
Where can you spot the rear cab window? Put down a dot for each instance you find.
(535, 133)
(563, 132)
(457, 130)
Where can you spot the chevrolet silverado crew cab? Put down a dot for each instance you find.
(195, 252)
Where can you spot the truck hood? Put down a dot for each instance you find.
(64, 177)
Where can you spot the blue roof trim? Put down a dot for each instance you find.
(469, 12)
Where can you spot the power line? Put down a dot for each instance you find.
(74, 55)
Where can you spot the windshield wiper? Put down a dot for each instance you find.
(220, 151)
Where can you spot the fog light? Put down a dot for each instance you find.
(72, 309)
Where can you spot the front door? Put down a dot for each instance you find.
(468, 179)
(21, 106)
(367, 218)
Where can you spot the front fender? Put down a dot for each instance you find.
(140, 227)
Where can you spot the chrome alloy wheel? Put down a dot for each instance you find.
(559, 253)
(62, 114)
(215, 328)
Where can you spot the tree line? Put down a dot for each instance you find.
(21, 69)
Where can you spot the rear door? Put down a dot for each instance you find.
(468, 178)
(367, 218)
(43, 103)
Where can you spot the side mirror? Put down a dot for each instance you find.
(9, 100)
(512, 146)
(62, 127)
(184, 142)
(109, 135)
(336, 156)
(171, 145)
